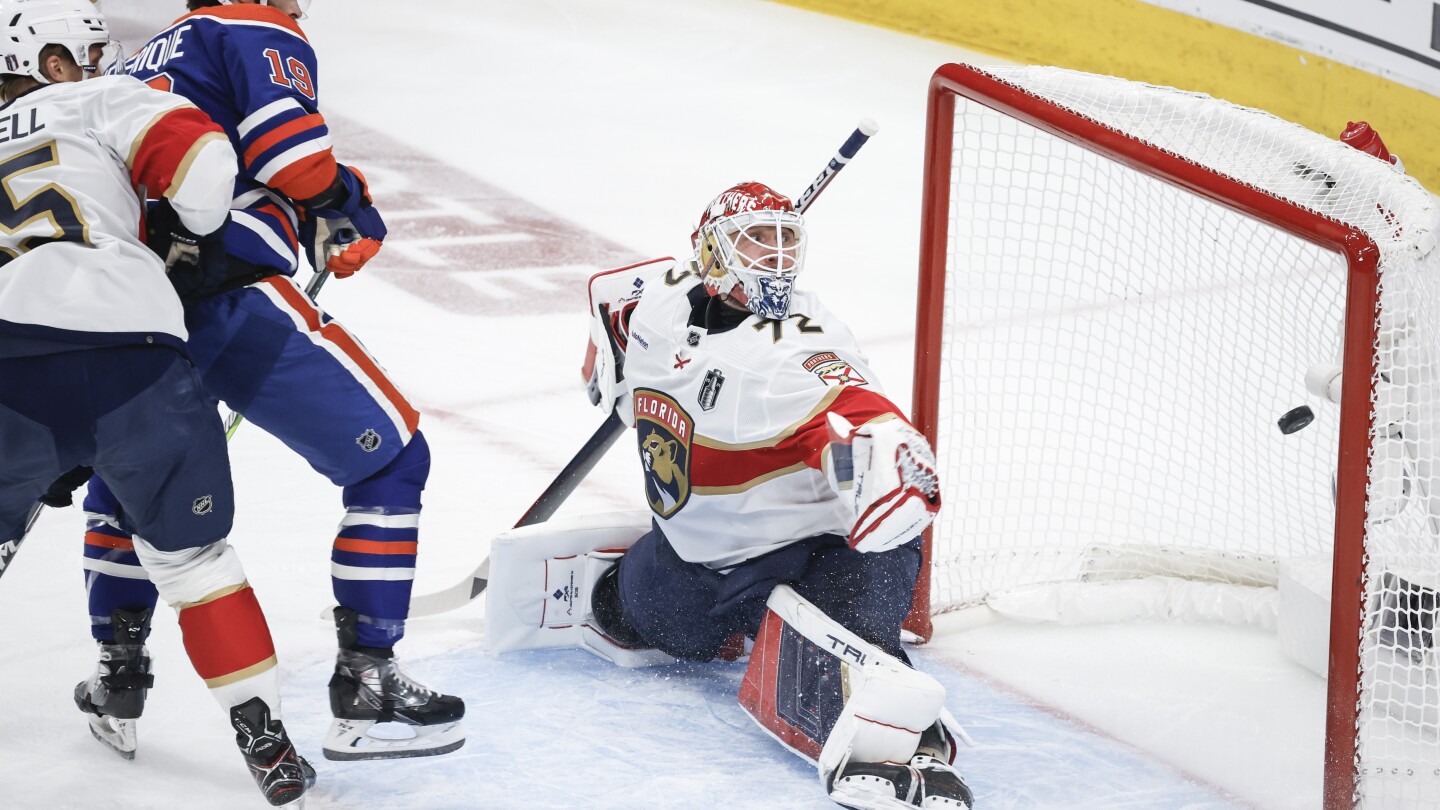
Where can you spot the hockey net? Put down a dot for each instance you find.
(1122, 287)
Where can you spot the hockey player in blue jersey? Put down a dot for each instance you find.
(268, 352)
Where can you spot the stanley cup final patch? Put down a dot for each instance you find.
(832, 370)
(665, 431)
(710, 389)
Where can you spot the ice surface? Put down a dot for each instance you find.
(621, 118)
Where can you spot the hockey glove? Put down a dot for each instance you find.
(613, 298)
(196, 265)
(62, 493)
(345, 206)
(885, 472)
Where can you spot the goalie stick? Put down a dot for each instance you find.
(843, 156)
(463, 592)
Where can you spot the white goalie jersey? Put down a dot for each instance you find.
(74, 158)
(732, 425)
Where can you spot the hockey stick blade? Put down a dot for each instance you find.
(462, 593)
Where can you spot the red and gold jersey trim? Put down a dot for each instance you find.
(720, 468)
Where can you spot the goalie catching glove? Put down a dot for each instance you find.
(348, 229)
(614, 295)
(885, 471)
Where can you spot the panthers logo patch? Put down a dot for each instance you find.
(664, 430)
(833, 370)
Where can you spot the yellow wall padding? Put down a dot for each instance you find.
(1138, 41)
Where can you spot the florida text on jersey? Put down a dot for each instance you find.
(73, 270)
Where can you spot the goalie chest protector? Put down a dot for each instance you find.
(730, 424)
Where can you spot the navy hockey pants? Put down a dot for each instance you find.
(689, 610)
(138, 416)
(270, 353)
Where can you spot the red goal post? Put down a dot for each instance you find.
(1120, 283)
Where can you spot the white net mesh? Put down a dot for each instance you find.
(1116, 352)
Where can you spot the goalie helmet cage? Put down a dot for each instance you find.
(1121, 288)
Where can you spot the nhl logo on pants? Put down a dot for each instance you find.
(368, 441)
(202, 505)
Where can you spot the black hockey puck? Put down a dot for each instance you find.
(1295, 419)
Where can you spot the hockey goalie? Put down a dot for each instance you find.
(786, 500)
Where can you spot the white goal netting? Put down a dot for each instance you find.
(1115, 352)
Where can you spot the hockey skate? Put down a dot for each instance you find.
(280, 773)
(367, 689)
(926, 783)
(114, 697)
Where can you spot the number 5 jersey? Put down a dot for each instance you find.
(74, 160)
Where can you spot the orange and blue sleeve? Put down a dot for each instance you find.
(283, 140)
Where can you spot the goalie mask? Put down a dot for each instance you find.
(750, 246)
(27, 26)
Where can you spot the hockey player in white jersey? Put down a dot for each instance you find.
(93, 369)
(788, 496)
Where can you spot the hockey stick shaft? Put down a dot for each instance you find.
(10, 548)
(605, 436)
(841, 158)
(580, 466)
(545, 506)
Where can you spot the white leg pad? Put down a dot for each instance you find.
(541, 579)
(886, 703)
(883, 719)
(191, 574)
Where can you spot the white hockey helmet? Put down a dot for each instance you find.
(27, 26)
(750, 246)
